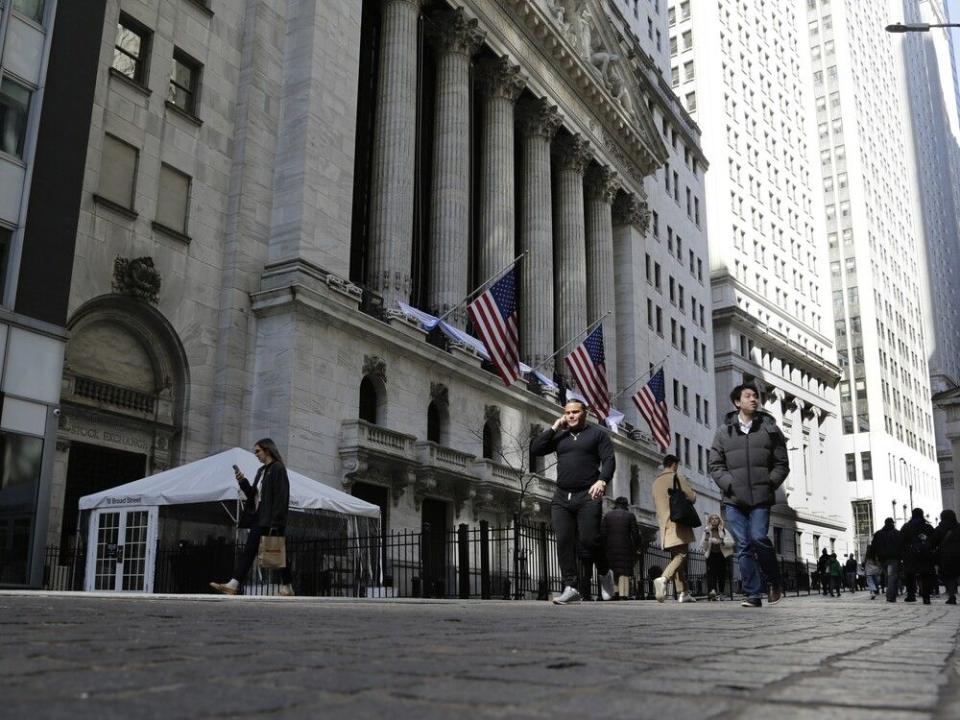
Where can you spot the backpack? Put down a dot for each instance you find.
(921, 546)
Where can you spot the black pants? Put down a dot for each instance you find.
(250, 554)
(924, 579)
(716, 572)
(576, 525)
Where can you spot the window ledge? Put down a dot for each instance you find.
(128, 213)
(186, 115)
(130, 82)
(202, 7)
(170, 232)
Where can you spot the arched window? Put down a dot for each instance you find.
(369, 401)
(491, 440)
(434, 421)
(634, 491)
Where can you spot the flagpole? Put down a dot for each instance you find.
(481, 286)
(647, 374)
(573, 339)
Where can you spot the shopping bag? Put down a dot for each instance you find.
(273, 552)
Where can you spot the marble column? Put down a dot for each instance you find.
(601, 186)
(538, 122)
(457, 38)
(500, 85)
(795, 441)
(394, 149)
(630, 220)
(570, 155)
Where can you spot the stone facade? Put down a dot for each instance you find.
(267, 324)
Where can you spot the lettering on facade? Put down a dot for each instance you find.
(135, 440)
(124, 500)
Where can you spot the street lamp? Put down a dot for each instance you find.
(916, 27)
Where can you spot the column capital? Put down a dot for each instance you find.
(629, 209)
(602, 183)
(571, 152)
(538, 117)
(499, 78)
(454, 32)
(415, 4)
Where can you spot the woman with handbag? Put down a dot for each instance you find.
(673, 495)
(716, 547)
(265, 513)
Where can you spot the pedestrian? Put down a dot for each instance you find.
(585, 464)
(835, 570)
(887, 545)
(872, 568)
(674, 537)
(270, 496)
(621, 537)
(946, 538)
(916, 541)
(823, 573)
(716, 547)
(850, 572)
(748, 462)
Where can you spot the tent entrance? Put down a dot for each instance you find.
(122, 545)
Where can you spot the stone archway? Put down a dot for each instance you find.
(123, 400)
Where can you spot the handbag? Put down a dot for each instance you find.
(273, 552)
(682, 510)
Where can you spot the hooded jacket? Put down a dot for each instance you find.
(748, 468)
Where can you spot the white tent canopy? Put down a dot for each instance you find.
(211, 480)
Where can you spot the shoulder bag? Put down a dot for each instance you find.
(682, 510)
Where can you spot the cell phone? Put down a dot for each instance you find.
(236, 470)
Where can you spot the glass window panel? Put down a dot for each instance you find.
(32, 9)
(118, 169)
(14, 106)
(20, 460)
(172, 199)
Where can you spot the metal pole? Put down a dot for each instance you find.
(482, 285)
(563, 347)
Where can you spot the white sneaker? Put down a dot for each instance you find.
(686, 597)
(607, 590)
(712, 595)
(569, 595)
(660, 589)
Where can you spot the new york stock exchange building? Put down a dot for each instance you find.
(263, 193)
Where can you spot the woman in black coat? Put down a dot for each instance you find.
(622, 539)
(269, 495)
(946, 540)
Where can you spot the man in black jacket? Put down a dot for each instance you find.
(886, 544)
(917, 547)
(621, 536)
(585, 464)
(823, 572)
(748, 462)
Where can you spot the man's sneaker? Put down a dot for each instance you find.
(607, 589)
(712, 595)
(686, 597)
(569, 595)
(909, 599)
(223, 588)
(660, 589)
(775, 595)
(287, 591)
(752, 602)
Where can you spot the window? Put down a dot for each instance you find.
(131, 49)
(118, 171)
(30, 9)
(867, 465)
(173, 199)
(5, 236)
(184, 82)
(676, 393)
(14, 106)
(851, 467)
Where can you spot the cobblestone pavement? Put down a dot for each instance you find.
(83, 656)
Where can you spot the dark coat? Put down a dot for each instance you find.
(749, 468)
(946, 539)
(622, 537)
(822, 564)
(887, 544)
(274, 495)
(913, 563)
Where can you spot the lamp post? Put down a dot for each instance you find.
(903, 481)
(916, 27)
(894, 504)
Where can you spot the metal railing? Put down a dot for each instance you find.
(517, 561)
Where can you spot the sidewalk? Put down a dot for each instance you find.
(83, 656)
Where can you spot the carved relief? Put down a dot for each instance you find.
(439, 394)
(136, 277)
(538, 117)
(628, 209)
(455, 32)
(499, 78)
(375, 366)
(602, 183)
(572, 152)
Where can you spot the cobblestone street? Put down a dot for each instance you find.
(85, 656)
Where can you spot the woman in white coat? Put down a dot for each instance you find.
(716, 547)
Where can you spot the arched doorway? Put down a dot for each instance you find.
(125, 381)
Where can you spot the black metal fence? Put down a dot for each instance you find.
(512, 562)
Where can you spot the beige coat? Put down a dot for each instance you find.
(671, 534)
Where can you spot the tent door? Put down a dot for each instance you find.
(122, 550)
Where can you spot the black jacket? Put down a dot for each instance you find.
(946, 539)
(909, 534)
(887, 544)
(622, 538)
(749, 468)
(583, 457)
(274, 495)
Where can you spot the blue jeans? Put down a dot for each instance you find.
(754, 550)
(873, 582)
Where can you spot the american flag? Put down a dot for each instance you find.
(652, 403)
(494, 316)
(588, 367)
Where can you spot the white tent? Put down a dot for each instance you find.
(211, 480)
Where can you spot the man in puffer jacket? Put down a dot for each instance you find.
(748, 462)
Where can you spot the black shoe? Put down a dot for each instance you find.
(952, 600)
(909, 599)
(752, 603)
(893, 600)
(775, 595)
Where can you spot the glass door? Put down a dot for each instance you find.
(122, 550)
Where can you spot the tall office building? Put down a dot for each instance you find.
(928, 68)
(877, 267)
(740, 68)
